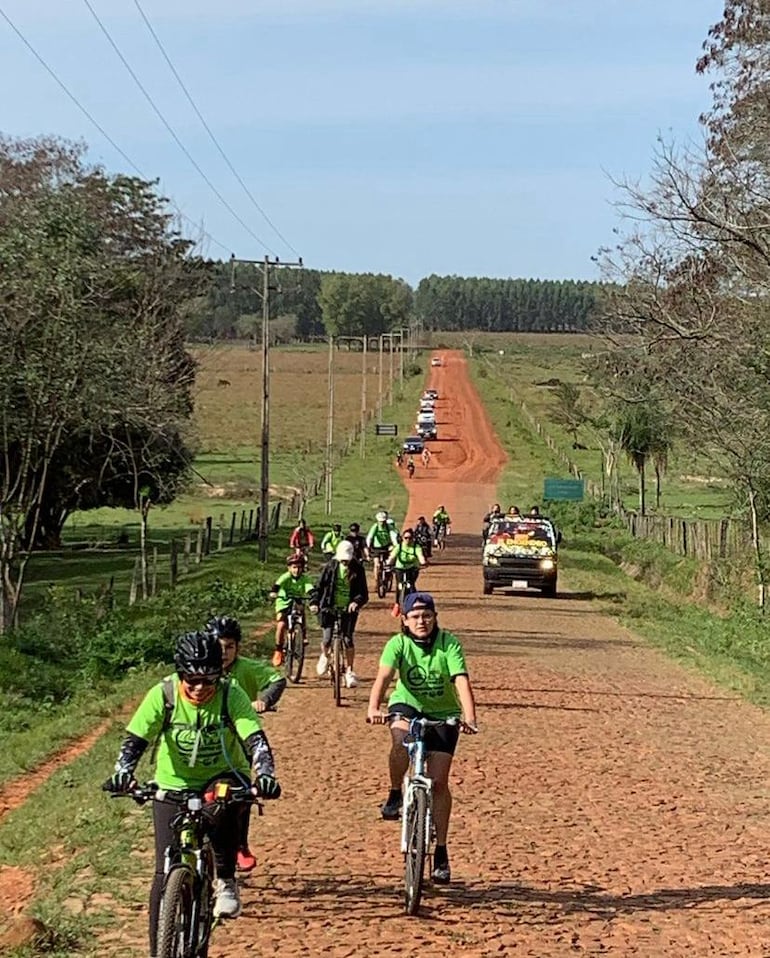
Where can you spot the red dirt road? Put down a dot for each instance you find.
(613, 803)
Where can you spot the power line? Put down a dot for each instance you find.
(208, 130)
(54, 76)
(171, 130)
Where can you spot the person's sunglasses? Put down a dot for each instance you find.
(199, 681)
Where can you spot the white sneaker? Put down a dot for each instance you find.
(227, 898)
(323, 664)
(351, 681)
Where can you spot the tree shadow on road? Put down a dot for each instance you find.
(593, 899)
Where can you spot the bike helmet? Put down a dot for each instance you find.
(381, 516)
(224, 627)
(354, 527)
(198, 653)
(297, 558)
(345, 551)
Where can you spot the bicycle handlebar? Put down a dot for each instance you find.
(145, 792)
(424, 723)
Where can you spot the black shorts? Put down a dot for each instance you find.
(442, 738)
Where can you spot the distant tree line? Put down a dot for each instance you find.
(505, 305)
(308, 303)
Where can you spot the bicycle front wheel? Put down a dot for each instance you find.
(177, 936)
(416, 848)
(295, 654)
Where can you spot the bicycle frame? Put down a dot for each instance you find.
(416, 778)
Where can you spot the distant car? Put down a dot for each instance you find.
(427, 405)
(413, 444)
(436, 361)
(430, 394)
(427, 430)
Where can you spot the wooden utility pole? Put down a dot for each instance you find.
(329, 432)
(264, 483)
(363, 398)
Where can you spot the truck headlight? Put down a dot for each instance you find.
(547, 564)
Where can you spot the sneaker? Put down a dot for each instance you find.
(441, 871)
(396, 610)
(351, 679)
(227, 899)
(323, 664)
(391, 807)
(278, 657)
(245, 860)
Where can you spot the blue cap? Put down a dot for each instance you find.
(423, 599)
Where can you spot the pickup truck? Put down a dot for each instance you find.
(521, 554)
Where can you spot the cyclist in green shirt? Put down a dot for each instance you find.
(331, 540)
(263, 685)
(380, 539)
(197, 743)
(293, 585)
(407, 558)
(433, 682)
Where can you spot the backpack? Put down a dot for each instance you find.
(169, 701)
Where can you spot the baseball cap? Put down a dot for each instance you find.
(422, 599)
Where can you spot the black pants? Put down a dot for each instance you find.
(347, 627)
(224, 838)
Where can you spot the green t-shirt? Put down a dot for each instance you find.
(380, 536)
(253, 676)
(406, 557)
(425, 675)
(330, 541)
(197, 745)
(291, 588)
(341, 588)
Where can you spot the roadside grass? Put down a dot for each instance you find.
(533, 364)
(695, 613)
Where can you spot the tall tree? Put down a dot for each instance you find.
(92, 282)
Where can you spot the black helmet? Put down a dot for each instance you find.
(337, 527)
(354, 527)
(198, 653)
(224, 627)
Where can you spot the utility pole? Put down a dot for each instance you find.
(363, 397)
(379, 380)
(264, 483)
(329, 432)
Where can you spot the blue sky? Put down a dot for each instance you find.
(475, 137)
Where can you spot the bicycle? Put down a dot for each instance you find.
(186, 916)
(439, 535)
(417, 826)
(383, 576)
(296, 641)
(337, 659)
(405, 583)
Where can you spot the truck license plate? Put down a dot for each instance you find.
(519, 584)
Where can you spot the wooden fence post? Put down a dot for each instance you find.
(173, 563)
(134, 581)
(207, 541)
(199, 545)
(187, 551)
(232, 530)
(221, 534)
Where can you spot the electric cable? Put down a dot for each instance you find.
(171, 130)
(208, 129)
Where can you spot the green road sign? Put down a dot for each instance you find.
(386, 429)
(563, 490)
